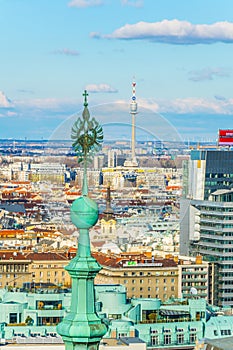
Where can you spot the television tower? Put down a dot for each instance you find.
(133, 111)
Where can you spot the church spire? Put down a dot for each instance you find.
(108, 211)
(82, 329)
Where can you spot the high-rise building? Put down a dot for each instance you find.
(206, 215)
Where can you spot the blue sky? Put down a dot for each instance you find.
(180, 53)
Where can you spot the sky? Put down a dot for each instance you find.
(178, 52)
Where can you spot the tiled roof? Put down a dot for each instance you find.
(10, 233)
(48, 256)
(12, 256)
(118, 261)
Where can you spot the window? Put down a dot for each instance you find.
(180, 338)
(141, 281)
(114, 316)
(192, 337)
(13, 318)
(225, 332)
(122, 335)
(154, 339)
(167, 339)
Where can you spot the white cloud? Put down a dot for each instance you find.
(208, 74)
(174, 32)
(67, 52)
(95, 88)
(8, 114)
(190, 105)
(85, 3)
(44, 103)
(52, 107)
(133, 3)
(178, 105)
(5, 102)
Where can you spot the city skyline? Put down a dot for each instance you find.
(179, 53)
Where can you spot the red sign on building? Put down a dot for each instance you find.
(225, 137)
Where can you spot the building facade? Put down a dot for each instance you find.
(206, 218)
(142, 276)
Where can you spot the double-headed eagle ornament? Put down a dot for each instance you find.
(87, 135)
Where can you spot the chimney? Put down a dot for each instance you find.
(198, 259)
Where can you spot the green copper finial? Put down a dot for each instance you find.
(85, 94)
(87, 136)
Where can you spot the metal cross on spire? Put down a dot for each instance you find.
(85, 94)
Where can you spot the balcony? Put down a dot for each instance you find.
(194, 272)
(184, 288)
(186, 280)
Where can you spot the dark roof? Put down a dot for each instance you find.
(219, 344)
(13, 208)
(131, 340)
